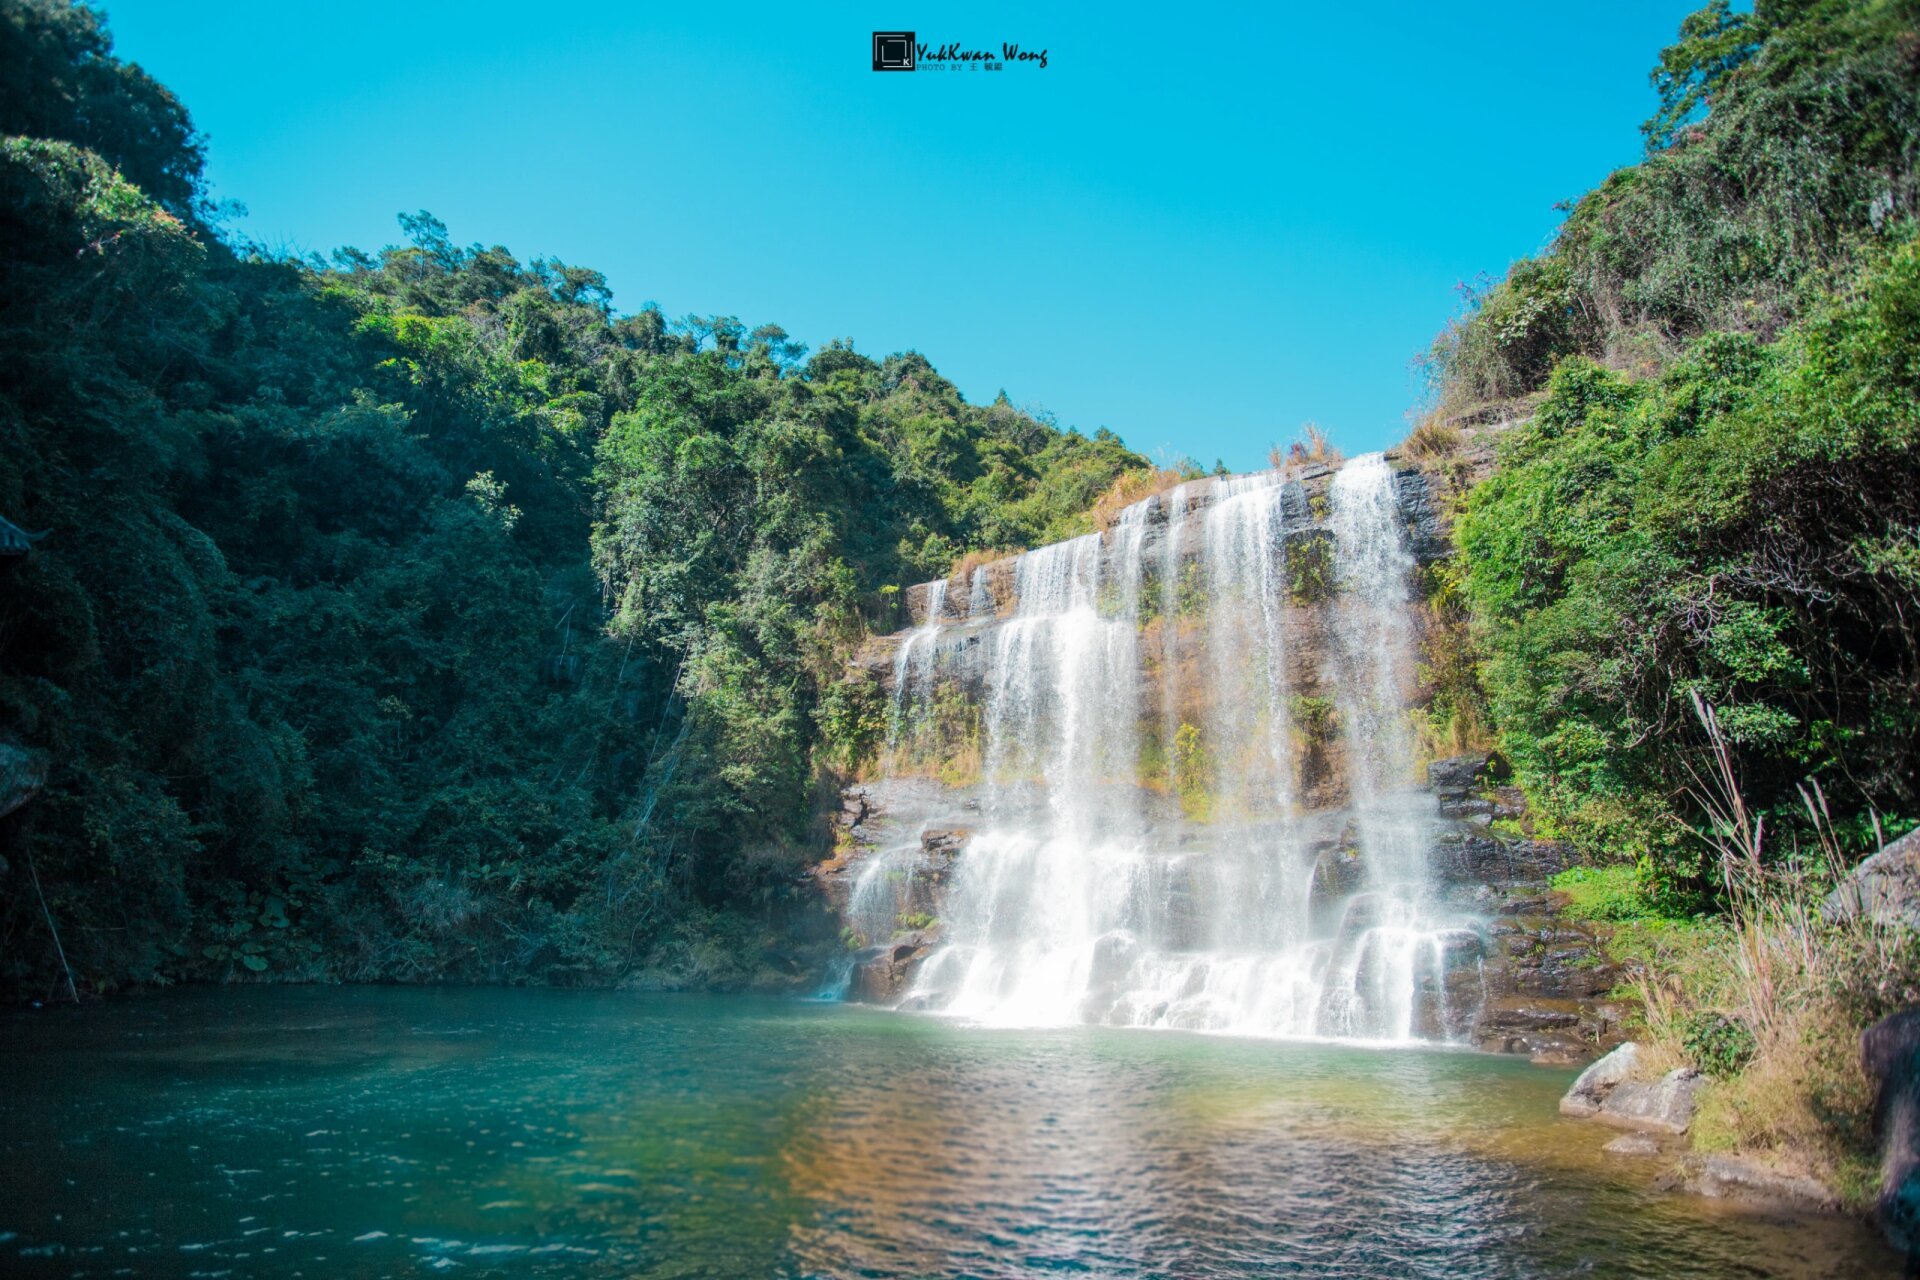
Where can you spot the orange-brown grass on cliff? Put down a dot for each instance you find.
(1313, 446)
(1431, 439)
(1128, 488)
(962, 570)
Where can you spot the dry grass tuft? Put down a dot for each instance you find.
(962, 570)
(1128, 488)
(1431, 439)
(1313, 446)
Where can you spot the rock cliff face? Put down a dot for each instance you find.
(1539, 983)
(1545, 979)
(1211, 702)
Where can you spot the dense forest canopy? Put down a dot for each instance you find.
(1715, 487)
(417, 614)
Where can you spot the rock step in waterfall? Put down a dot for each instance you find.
(1167, 775)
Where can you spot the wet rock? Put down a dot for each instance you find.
(1554, 1048)
(938, 848)
(1606, 1020)
(1664, 1106)
(1447, 1007)
(1591, 1088)
(1113, 957)
(1479, 857)
(1545, 957)
(1455, 776)
(1364, 911)
(1542, 973)
(1337, 873)
(1524, 1013)
(1457, 947)
(882, 973)
(1633, 1144)
(1890, 1053)
(1557, 1049)
(856, 805)
(944, 840)
(1885, 888)
(1421, 516)
(1723, 1177)
(1509, 802)
(1444, 1011)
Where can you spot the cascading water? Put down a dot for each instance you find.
(1195, 793)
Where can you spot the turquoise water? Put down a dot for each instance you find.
(394, 1132)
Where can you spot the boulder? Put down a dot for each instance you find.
(1885, 888)
(1890, 1052)
(1633, 1144)
(1591, 1088)
(1664, 1106)
(881, 974)
(1723, 1177)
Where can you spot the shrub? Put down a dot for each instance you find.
(1606, 893)
(1717, 1044)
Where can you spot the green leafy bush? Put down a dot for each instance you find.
(1718, 1044)
(1712, 531)
(1605, 893)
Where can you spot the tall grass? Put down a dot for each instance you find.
(1801, 986)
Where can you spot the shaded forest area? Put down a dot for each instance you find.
(417, 615)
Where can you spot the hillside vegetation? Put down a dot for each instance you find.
(417, 614)
(1692, 586)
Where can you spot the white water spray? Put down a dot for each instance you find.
(1146, 854)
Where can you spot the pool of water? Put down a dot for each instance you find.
(395, 1132)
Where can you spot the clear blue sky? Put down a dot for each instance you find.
(1197, 227)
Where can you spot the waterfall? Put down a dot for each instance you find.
(914, 679)
(1196, 801)
(1371, 675)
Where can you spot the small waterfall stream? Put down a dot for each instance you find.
(1196, 802)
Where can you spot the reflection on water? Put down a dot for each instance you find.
(400, 1132)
